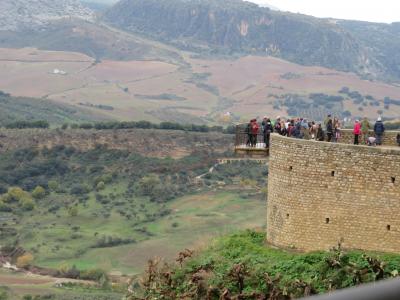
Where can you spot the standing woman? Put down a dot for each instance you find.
(338, 132)
(357, 132)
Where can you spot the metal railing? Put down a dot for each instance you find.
(380, 290)
(245, 139)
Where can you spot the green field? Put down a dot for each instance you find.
(17, 285)
(194, 220)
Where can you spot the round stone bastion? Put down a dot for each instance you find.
(321, 194)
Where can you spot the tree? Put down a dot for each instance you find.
(39, 192)
(24, 260)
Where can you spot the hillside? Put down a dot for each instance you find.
(14, 109)
(234, 26)
(241, 266)
(189, 89)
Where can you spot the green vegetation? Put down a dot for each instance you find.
(242, 266)
(115, 125)
(66, 206)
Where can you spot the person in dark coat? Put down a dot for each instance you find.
(379, 129)
(398, 139)
(248, 133)
(329, 129)
(320, 135)
(268, 129)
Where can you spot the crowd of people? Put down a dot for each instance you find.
(330, 130)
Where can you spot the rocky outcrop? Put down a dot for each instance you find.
(19, 15)
(234, 26)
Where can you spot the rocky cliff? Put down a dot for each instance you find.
(18, 15)
(234, 26)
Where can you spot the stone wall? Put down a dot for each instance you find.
(322, 193)
(156, 143)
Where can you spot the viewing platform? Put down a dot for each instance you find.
(256, 148)
(243, 146)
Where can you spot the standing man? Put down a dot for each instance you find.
(329, 129)
(379, 130)
(268, 129)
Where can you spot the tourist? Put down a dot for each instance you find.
(277, 126)
(283, 128)
(248, 133)
(329, 129)
(398, 139)
(337, 130)
(254, 132)
(365, 128)
(327, 120)
(264, 123)
(290, 129)
(320, 135)
(305, 129)
(357, 132)
(313, 130)
(371, 141)
(268, 129)
(379, 130)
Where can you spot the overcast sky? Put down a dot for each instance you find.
(366, 10)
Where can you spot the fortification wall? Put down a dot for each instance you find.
(157, 143)
(322, 193)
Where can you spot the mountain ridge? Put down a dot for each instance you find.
(237, 27)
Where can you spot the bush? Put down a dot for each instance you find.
(100, 186)
(39, 193)
(27, 204)
(24, 260)
(53, 185)
(73, 211)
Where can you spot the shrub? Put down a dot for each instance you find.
(39, 193)
(53, 185)
(73, 211)
(24, 260)
(27, 204)
(100, 186)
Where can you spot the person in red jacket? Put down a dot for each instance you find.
(357, 132)
(254, 132)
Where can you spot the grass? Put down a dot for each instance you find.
(17, 285)
(194, 220)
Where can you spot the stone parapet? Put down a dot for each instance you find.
(321, 194)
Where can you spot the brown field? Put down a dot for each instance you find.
(241, 86)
